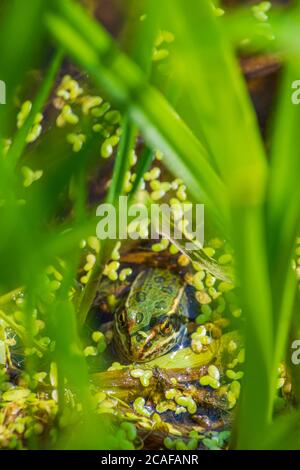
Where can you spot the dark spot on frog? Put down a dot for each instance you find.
(161, 304)
(140, 296)
(167, 290)
(147, 345)
(159, 279)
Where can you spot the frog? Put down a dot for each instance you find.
(152, 320)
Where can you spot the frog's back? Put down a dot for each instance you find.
(158, 291)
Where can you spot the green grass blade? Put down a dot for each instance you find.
(160, 125)
(215, 85)
(19, 140)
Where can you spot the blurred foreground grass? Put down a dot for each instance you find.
(198, 113)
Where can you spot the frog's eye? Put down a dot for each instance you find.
(122, 318)
(139, 318)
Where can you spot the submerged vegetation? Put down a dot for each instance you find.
(134, 343)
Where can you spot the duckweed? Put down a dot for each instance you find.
(160, 54)
(157, 195)
(99, 338)
(142, 374)
(180, 444)
(205, 315)
(128, 184)
(23, 113)
(69, 89)
(212, 379)
(164, 36)
(67, 116)
(187, 402)
(161, 246)
(36, 129)
(214, 372)
(123, 442)
(225, 259)
(192, 444)
(173, 250)
(225, 286)
(90, 102)
(164, 406)
(183, 261)
(94, 243)
(209, 251)
(139, 407)
(130, 430)
(232, 347)
(155, 185)
(260, 11)
(233, 394)
(169, 443)
(124, 274)
(197, 280)
(154, 174)
(110, 270)
(77, 141)
(101, 110)
(90, 262)
(107, 148)
(234, 375)
(159, 155)
(203, 297)
(210, 280)
(177, 211)
(115, 256)
(132, 158)
(211, 444)
(200, 339)
(90, 351)
(171, 393)
(181, 193)
(30, 176)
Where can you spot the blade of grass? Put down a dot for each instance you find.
(19, 139)
(126, 85)
(143, 165)
(283, 210)
(283, 217)
(215, 83)
(142, 53)
(116, 189)
(205, 52)
(256, 303)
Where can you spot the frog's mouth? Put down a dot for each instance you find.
(156, 342)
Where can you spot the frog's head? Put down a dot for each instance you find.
(149, 324)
